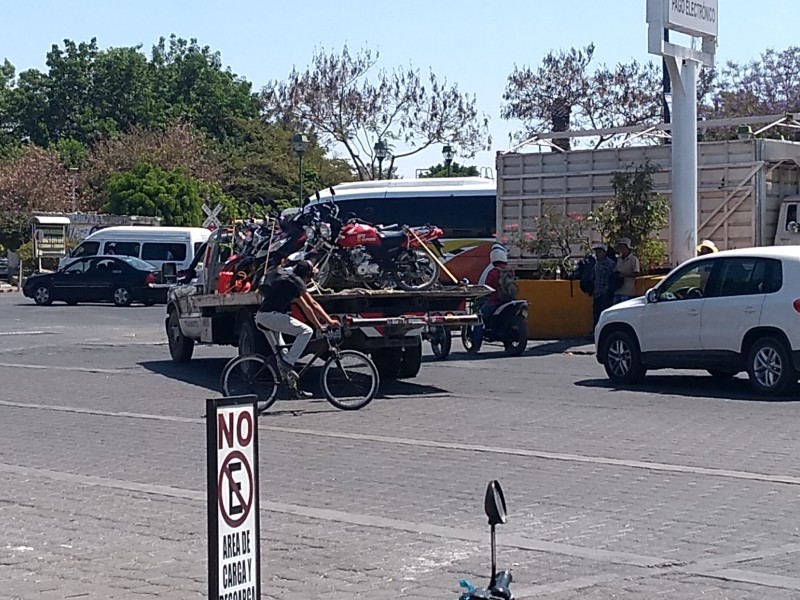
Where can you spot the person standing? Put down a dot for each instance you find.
(706, 247)
(604, 269)
(629, 269)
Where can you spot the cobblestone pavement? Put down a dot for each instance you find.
(684, 488)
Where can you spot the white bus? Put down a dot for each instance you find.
(464, 207)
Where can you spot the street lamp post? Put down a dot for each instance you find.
(74, 171)
(380, 154)
(299, 145)
(448, 154)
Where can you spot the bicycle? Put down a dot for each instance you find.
(342, 370)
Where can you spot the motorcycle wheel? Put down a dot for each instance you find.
(441, 340)
(417, 271)
(324, 277)
(466, 340)
(517, 339)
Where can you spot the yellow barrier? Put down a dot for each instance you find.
(558, 309)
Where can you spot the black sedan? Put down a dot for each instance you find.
(117, 279)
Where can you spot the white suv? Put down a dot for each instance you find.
(727, 312)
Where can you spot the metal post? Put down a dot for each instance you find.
(667, 88)
(301, 177)
(380, 169)
(683, 211)
(74, 171)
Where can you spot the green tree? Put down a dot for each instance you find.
(178, 147)
(149, 190)
(637, 212)
(89, 94)
(14, 230)
(456, 170)
(258, 161)
(190, 83)
(7, 124)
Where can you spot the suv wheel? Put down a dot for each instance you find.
(623, 361)
(770, 367)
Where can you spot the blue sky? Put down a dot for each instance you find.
(472, 43)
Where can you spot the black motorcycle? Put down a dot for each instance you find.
(508, 324)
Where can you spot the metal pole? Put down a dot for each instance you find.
(666, 87)
(73, 191)
(301, 177)
(683, 210)
(380, 169)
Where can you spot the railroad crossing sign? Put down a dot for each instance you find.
(211, 222)
(234, 554)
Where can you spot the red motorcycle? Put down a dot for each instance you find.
(360, 253)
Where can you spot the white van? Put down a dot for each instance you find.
(155, 245)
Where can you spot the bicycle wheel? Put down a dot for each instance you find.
(251, 374)
(349, 380)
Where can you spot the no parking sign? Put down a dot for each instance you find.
(234, 569)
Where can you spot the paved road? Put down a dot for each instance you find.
(683, 488)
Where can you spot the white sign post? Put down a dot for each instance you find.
(211, 222)
(700, 19)
(234, 556)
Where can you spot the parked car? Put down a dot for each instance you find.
(155, 245)
(118, 279)
(726, 313)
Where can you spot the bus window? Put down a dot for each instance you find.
(458, 216)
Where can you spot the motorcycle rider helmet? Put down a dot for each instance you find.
(498, 254)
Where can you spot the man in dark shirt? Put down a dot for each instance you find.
(604, 268)
(279, 290)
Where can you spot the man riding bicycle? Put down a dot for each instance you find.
(279, 289)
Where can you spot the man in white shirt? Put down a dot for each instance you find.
(629, 269)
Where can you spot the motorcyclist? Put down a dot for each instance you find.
(499, 261)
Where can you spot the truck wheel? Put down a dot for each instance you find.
(180, 347)
(412, 361)
(388, 361)
(251, 340)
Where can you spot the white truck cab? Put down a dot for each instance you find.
(788, 231)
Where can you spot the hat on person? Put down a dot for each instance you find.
(498, 254)
(600, 246)
(707, 244)
(624, 242)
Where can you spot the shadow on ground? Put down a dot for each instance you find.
(206, 372)
(693, 386)
(494, 350)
